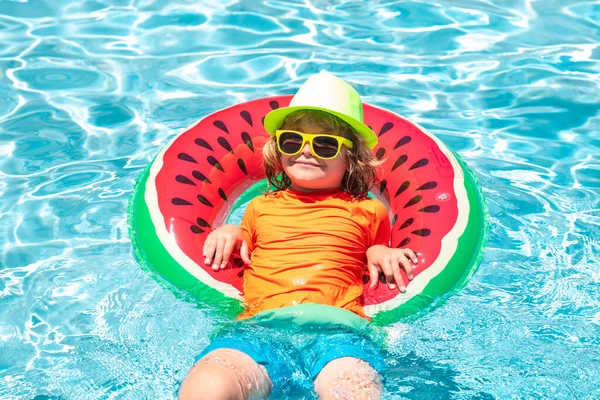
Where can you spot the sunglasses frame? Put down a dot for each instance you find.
(310, 137)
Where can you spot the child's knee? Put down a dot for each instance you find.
(207, 382)
(348, 378)
(226, 374)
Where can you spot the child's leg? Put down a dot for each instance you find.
(348, 378)
(226, 374)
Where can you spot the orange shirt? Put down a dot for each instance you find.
(310, 248)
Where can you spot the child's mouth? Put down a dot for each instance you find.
(305, 163)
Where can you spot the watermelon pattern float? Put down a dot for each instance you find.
(190, 188)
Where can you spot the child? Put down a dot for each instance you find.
(310, 240)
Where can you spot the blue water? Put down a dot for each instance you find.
(90, 91)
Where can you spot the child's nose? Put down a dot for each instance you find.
(306, 149)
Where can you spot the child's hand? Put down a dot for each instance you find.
(219, 246)
(389, 261)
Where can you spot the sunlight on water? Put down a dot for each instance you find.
(91, 91)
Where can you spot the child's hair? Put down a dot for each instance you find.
(361, 172)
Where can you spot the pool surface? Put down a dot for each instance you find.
(91, 91)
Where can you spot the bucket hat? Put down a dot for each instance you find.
(326, 92)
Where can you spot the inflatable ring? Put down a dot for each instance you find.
(215, 167)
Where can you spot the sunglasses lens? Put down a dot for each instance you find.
(326, 147)
(290, 142)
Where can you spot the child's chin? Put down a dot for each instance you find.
(309, 179)
(311, 174)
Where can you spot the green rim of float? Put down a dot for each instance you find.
(460, 254)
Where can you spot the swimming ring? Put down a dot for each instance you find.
(214, 167)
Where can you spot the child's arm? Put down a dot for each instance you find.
(221, 243)
(389, 261)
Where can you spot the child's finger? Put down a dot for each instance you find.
(218, 253)
(388, 270)
(398, 276)
(207, 243)
(227, 250)
(406, 265)
(245, 253)
(373, 275)
(412, 255)
(209, 250)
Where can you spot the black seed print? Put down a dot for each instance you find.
(248, 140)
(422, 232)
(204, 201)
(403, 243)
(221, 126)
(213, 161)
(225, 144)
(274, 104)
(402, 188)
(184, 180)
(202, 223)
(222, 194)
(180, 202)
(394, 218)
(200, 176)
(402, 141)
(421, 163)
(380, 153)
(406, 223)
(386, 127)
(240, 274)
(186, 157)
(195, 229)
(242, 166)
(430, 209)
(382, 278)
(428, 185)
(383, 186)
(413, 201)
(401, 160)
(247, 117)
(203, 143)
(366, 279)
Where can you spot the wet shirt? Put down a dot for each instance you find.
(310, 248)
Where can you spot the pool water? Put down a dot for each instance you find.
(91, 91)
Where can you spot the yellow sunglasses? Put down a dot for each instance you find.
(323, 146)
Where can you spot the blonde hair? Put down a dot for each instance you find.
(361, 174)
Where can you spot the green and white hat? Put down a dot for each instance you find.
(326, 92)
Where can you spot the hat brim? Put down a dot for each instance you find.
(275, 118)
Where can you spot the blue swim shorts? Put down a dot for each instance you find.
(293, 354)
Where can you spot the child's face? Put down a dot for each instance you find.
(309, 173)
